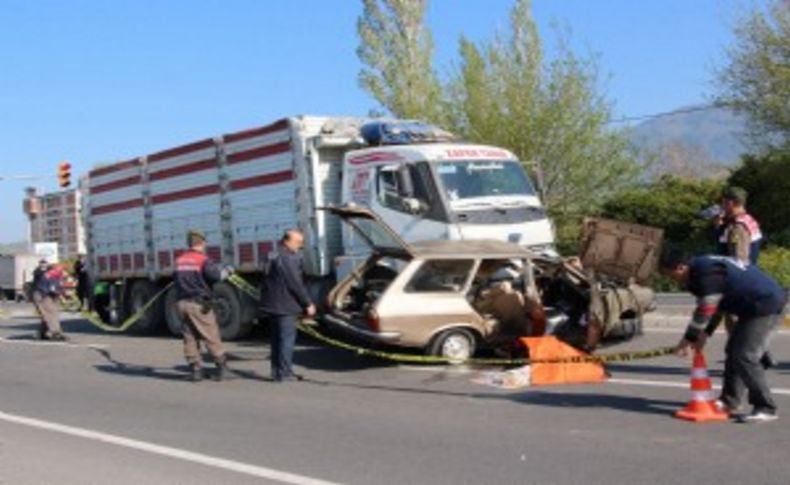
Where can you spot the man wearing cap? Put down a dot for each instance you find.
(283, 298)
(739, 233)
(47, 287)
(195, 273)
(723, 284)
(739, 237)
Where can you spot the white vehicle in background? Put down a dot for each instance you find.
(244, 189)
(16, 272)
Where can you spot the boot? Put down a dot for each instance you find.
(196, 373)
(223, 371)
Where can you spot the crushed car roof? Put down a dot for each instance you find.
(486, 248)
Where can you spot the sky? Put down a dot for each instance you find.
(91, 81)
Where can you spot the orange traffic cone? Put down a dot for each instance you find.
(702, 407)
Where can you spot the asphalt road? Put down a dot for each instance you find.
(116, 409)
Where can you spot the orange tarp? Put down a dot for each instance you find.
(549, 347)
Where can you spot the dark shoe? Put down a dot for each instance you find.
(42, 335)
(58, 337)
(196, 373)
(223, 372)
(289, 378)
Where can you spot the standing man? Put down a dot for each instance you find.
(739, 233)
(740, 238)
(283, 298)
(47, 287)
(756, 300)
(195, 273)
(81, 272)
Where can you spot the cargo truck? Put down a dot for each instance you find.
(244, 189)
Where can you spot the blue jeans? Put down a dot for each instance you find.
(743, 370)
(283, 338)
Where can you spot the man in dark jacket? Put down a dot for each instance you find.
(195, 273)
(283, 298)
(756, 300)
(81, 272)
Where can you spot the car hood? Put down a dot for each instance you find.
(620, 250)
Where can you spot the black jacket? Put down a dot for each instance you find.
(282, 291)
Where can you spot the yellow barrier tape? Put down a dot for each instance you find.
(97, 322)
(432, 359)
(310, 330)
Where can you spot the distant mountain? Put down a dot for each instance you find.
(14, 247)
(713, 134)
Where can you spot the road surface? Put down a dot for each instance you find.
(117, 409)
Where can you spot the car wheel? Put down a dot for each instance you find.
(456, 344)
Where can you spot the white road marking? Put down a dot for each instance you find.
(675, 384)
(680, 330)
(42, 343)
(234, 466)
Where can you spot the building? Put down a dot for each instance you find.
(56, 217)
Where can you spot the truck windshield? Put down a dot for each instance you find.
(483, 179)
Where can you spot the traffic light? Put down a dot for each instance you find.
(64, 174)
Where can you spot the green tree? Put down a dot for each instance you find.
(672, 204)
(756, 78)
(767, 180)
(550, 113)
(504, 92)
(396, 49)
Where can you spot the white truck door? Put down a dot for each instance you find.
(388, 202)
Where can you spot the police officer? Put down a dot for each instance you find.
(756, 300)
(47, 288)
(739, 237)
(283, 298)
(739, 233)
(194, 275)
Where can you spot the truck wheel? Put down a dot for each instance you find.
(173, 319)
(456, 344)
(230, 314)
(141, 293)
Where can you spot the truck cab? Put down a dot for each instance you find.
(428, 187)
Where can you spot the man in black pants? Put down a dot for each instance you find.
(756, 300)
(283, 298)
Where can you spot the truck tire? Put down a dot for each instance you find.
(234, 322)
(457, 344)
(173, 319)
(140, 293)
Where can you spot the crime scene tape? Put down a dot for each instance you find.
(310, 330)
(94, 319)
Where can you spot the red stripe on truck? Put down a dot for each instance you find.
(182, 150)
(267, 179)
(184, 169)
(98, 172)
(252, 133)
(260, 152)
(185, 194)
(117, 206)
(116, 184)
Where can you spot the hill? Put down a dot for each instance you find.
(712, 136)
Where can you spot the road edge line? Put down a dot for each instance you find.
(190, 456)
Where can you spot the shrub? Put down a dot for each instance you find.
(776, 262)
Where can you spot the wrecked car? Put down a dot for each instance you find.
(452, 298)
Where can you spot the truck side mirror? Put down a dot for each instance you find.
(405, 185)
